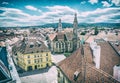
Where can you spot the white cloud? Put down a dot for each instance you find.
(16, 17)
(116, 2)
(106, 4)
(100, 11)
(61, 9)
(64, 12)
(12, 16)
(93, 1)
(99, 15)
(105, 18)
(14, 13)
(83, 2)
(5, 3)
(31, 8)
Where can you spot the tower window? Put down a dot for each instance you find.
(57, 45)
(70, 45)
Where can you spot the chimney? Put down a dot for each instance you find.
(116, 72)
(96, 53)
(76, 74)
(93, 44)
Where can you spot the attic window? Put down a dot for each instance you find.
(39, 45)
(31, 45)
(76, 74)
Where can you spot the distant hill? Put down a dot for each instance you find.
(69, 25)
(55, 25)
(109, 25)
(84, 25)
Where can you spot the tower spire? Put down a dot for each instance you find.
(59, 26)
(75, 35)
(75, 26)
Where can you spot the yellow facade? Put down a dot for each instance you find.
(34, 60)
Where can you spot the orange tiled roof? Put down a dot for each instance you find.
(109, 58)
(52, 36)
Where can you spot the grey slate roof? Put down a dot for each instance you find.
(31, 46)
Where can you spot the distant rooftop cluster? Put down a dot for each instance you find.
(79, 55)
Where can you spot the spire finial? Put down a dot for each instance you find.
(59, 20)
(75, 14)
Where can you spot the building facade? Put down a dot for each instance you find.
(65, 41)
(33, 54)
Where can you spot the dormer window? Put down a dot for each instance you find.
(31, 45)
(39, 43)
(76, 74)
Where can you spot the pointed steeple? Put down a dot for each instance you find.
(59, 26)
(75, 36)
(75, 19)
(75, 26)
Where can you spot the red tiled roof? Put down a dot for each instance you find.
(52, 36)
(109, 58)
(85, 65)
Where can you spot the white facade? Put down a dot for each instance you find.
(116, 72)
(96, 53)
(119, 75)
(93, 44)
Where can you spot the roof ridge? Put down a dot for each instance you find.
(100, 71)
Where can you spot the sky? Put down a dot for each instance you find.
(39, 12)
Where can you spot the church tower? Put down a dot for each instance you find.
(75, 26)
(75, 35)
(59, 26)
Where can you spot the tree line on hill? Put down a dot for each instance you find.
(69, 25)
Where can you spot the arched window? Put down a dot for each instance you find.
(57, 44)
